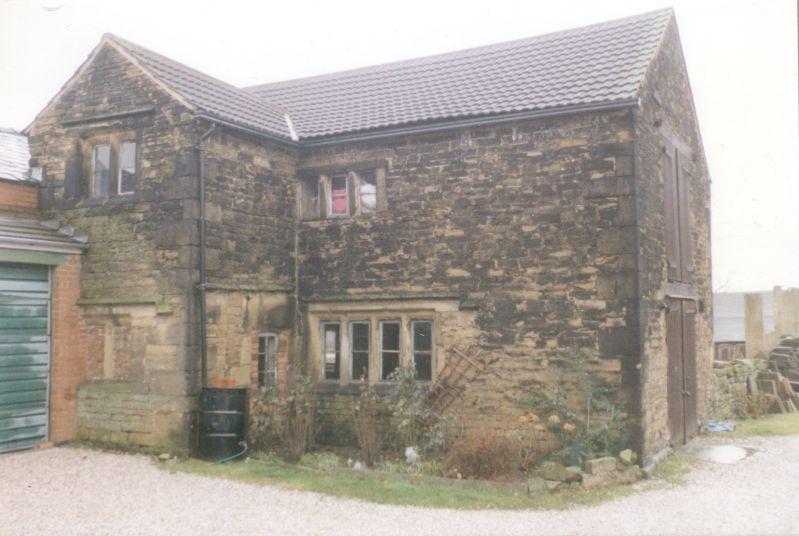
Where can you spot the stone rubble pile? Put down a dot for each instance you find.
(599, 472)
(785, 360)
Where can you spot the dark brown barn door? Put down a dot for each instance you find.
(681, 345)
(676, 175)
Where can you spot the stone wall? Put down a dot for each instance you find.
(234, 322)
(532, 223)
(250, 226)
(786, 320)
(733, 383)
(129, 414)
(138, 385)
(667, 106)
(250, 212)
(542, 232)
(138, 275)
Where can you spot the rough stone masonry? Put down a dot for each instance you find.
(524, 238)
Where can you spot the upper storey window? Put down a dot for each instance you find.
(342, 195)
(367, 195)
(114, 168)
(338, 204)
(127, 167)
(101, 170)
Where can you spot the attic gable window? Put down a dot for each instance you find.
(114, 165)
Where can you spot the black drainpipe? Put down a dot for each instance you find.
(203, 343)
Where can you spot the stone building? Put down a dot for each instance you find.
(520, 201)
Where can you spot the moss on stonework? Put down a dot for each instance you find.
(232, 287)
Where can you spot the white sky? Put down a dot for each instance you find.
(741, 54)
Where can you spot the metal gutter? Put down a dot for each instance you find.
(433, 126)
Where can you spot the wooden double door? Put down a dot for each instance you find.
(682, 385)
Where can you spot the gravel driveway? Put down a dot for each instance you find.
(78, 491)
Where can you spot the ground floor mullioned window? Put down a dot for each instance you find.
(373, 348)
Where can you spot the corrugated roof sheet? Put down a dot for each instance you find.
(14, 155)
(25, 233)
(602, 63)
(729, 318)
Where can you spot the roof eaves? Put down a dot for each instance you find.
(248, 130)
(447, 124)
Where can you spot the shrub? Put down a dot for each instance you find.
(264, 433)
(366, 409)
(414, 423)
(485, 456)
(284, 423)
(298, 419)
(578, 411)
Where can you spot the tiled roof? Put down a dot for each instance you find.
(14, 155)
(216, 98)
(602, 63)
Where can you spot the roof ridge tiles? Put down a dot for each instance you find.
(443, 56)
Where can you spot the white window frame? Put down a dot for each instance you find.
(329, 196)
(135, 166)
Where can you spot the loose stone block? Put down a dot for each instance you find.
(600, 466)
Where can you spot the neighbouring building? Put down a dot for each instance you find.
(41, 360)
(516, 201)
(747, 324)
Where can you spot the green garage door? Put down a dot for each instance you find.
(24, 354)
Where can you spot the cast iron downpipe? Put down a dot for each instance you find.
(203, 345)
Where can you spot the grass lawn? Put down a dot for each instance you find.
(780, 424)
(674, 469)
(391, 491)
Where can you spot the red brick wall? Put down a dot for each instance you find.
(67, 368)
(18, 197)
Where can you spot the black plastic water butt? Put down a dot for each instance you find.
(223, 422)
